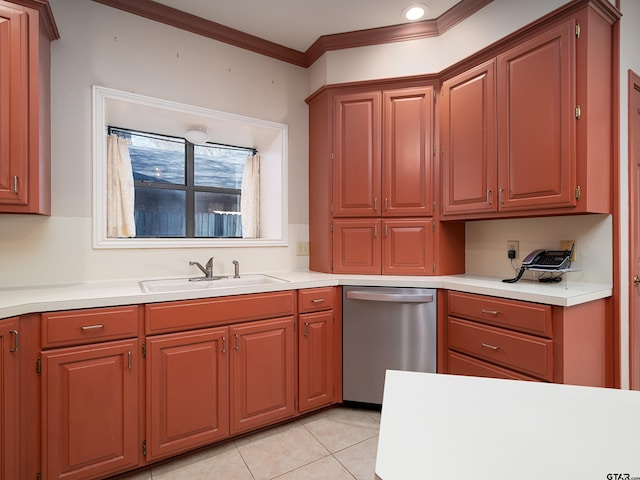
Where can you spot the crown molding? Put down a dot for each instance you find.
(397, 33)
(46, 16)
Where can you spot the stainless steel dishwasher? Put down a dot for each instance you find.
(385, 328)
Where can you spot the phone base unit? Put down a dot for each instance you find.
(545, 261)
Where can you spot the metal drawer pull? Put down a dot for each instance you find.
(490, 312)
(317, 300)
(306, 329)
(129, 354)
(17, 341)
(15, 184)
(92, 327)
(492, 347)
(224, 345)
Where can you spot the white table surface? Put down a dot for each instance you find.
(451, 427)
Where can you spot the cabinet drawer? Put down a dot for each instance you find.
(190, 314)
(463, 365)
(315, 299)
(521, 316)
(78, 327)
(524, 353)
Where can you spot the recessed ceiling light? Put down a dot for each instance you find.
(415, 12)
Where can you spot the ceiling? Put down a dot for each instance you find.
(297, 24)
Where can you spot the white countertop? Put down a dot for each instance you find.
(439, 426)
(20, 301)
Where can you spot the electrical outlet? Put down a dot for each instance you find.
(515, 246)
(566, 245)
(302, 249)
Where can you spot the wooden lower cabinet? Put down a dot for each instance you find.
(496, 337)
(9, 439)
(187, 391)
(315, 360)
(262, 373)
(90, 408)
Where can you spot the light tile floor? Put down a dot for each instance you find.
(336, 444)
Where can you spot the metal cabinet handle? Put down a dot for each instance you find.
(15, 184)
(500, 192)
(375, 231)
(386, 231)
(489, 197)
(16, 341)
(491, 312)
(129, 355)
(317, 300)
(375, 204)
(636, 280)
(224, 345)
(386, 203)
(492, 347)
(92, 327)
(237, 347)
(306, 329)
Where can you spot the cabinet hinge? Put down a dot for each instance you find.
(578, 112)
(295, 404)
(38, 366)
(332, 156)
(331, 227)
(433, 267)
(332, 208)
(433, 225)
(144, 350)
(577, 30)
(38, 475)
(144, 448)
(578, 192)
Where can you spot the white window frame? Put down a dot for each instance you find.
(273, 180)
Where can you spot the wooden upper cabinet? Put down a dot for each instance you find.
(357, 155)
(407, 183)
(357, 246)
(547, 146)
(14, 102)
(469, 156)
(25, 166)
(537, 121)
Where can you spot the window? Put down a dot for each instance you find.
(168, 189)
(185, 190)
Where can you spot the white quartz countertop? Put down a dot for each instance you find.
(439, 426)
(43, 298)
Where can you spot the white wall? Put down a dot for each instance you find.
(104, 46)
(629, 59)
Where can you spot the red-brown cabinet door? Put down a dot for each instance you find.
(187, 390)
(315, 360)
(536, 122)
(9, 399)
(90, 410)
(469, 156)
(262, 373)
(407, 247)
(407, 175)
(357, 246)
(357, 158)
(14, 106)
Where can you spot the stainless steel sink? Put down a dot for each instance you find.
(187, 284)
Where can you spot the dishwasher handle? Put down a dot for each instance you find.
(390, 297)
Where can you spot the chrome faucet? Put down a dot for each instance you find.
(236, 269)
(208, 270)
